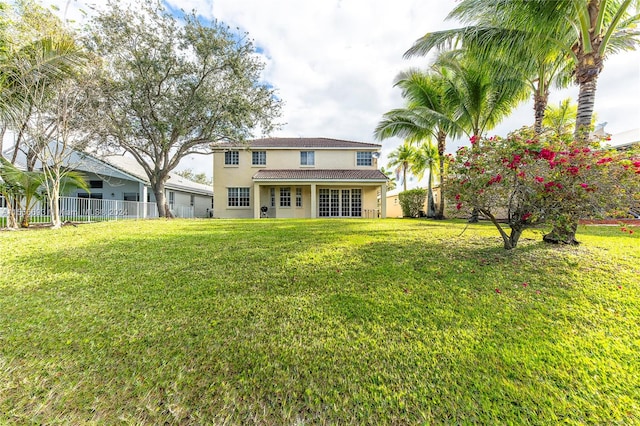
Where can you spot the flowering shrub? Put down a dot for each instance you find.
(548, 179)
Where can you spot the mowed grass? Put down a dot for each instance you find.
(316, 322)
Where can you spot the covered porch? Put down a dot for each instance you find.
(319, 193)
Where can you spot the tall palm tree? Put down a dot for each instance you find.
(427, 160)
(402, 160)
(427, 115)
(542, 32)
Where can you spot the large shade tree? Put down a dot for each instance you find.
(172, 86)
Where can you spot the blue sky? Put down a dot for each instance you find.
(333, 63)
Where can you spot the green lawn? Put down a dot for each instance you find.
(316, 322)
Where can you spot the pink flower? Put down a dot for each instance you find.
(521, 175)
(547, 154)
(459, 206)
(498, 291)
(526, 216)
(539, 179)
(525, 284)
(474, 139)
(457, 197)
(573, 170)
(584, 185)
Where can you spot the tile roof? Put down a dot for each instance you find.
(325, 174)
(298, 143)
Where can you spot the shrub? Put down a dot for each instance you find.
(545, 179)
(412, 201)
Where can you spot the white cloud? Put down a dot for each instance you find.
(333, 63)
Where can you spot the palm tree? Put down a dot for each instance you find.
(561, 119)
(21, 189)
(402, 160)
(541, 32)
(427, 160)
(391, 182)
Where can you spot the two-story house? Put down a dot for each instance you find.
(297, 178)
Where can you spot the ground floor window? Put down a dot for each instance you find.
(285, 196)
(340, 202)
(298, 197)
(131, 196)
(238, 197)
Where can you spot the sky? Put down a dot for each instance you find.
(333, 63)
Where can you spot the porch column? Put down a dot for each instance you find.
(314, 201)
(383, 201)
(256, 200)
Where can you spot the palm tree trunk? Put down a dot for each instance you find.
(442, 137)
(540, 101)
(404, 176)
(430, 209)
(586, 101)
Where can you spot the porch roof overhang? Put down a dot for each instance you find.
(366, 176)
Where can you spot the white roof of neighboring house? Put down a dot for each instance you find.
(176, 182)
(626, 138)
(127, 168)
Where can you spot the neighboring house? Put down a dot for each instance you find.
(393, 200)
(297, 178)
(116, 177)
(625, 140)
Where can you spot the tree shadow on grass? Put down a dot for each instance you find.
(332, 322)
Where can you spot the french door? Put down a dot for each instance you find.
(340, 202)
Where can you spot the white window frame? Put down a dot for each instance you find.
(364, 158)
(285, 196)
(309, 162)
(239, 197)
(258, 158)
(298, 197)
(231, 158)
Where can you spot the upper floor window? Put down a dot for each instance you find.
(307, 158)
(259, 158)
(364, 158)
(231, 158)
(93, 184)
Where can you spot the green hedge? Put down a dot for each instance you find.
(412, 202)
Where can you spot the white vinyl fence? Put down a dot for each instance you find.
(75, 209)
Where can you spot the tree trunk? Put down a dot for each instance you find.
(430, 203)
(404, 177)
(540, 101)
(442, 137)
(563, 235)
(3, 130)
(161, 200)
(586, 101)
(54, 205)
(587, 71)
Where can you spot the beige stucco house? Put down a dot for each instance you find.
(297, 178)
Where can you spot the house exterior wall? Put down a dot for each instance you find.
(240, 176)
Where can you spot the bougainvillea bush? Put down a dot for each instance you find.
(545, 179)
